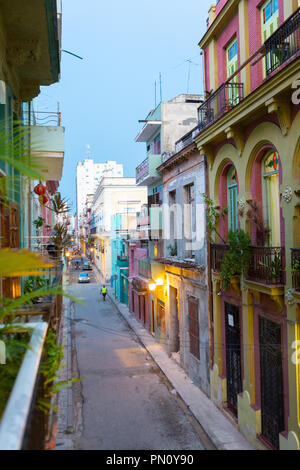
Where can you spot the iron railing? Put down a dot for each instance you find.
(283, 44)
(42, 118)
(184, 142)
(296, 268)
(18, 414)
(217, 256)
(220, 102)
(267, 265)
(142, 170)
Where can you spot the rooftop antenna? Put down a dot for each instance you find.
(160, 87)
(190, 62)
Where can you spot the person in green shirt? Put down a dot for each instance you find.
(104, 292)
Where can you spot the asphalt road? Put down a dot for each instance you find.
(125, 401)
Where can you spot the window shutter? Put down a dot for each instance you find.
(13, 225)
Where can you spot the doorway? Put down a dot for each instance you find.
(272, 406)
(233, 355)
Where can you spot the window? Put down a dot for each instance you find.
(154, 147)
(269, 10)
(232, 66)
(189, 219)
(194, 327)
(271, 197)
(232, 190)
(269, 18)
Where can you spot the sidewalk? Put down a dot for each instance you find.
(218, 428)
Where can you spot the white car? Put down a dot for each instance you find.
(83, 277)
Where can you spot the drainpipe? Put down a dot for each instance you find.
(209, 281)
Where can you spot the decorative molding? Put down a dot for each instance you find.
(289, 297)
(208, 151)
(283, 110)
(238, 136)
(242, 203)
(287, 194)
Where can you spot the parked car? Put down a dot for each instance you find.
(86, 265)
(83, 277)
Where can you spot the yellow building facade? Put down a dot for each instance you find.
(249, 131)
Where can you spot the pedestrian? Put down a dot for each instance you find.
(104, 292)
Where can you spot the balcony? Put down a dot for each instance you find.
(47, 143)
(185, 141)
(283, 44)
(146, 173)
(267, 265)
(217, 253)
(296, 268)
(144, 268)
(219, 103)
(122, 261)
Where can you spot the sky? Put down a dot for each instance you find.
(125, 46)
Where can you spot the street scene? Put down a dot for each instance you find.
(150, 228)
(123, 373)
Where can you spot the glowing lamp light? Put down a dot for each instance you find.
(159, 282)
(152, 287)
(67, 254)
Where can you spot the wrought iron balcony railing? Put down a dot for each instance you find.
(42, 118)
(220, 102)
(296, 268)
(217, 255)
(142, 170)
(184, 142)
(283, 44)
(267, 265)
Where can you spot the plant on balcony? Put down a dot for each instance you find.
(237, 257)
(213, 215)
(32, 285)
(38, 222)
(254, 216)
(16, 263)
(172, 250)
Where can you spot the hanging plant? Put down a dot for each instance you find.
(237, 257)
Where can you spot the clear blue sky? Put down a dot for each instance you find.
(125, 45)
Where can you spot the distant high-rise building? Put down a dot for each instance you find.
(88, 175)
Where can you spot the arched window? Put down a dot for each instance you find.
(232, 191)
(271, 197)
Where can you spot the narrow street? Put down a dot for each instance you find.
(126, 403)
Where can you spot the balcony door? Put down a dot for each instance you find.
(232, 66)
(232, 192)
(269, 24)
(271, 198)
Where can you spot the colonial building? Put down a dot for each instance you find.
(249, 133)
(185, 259)
(162, 128)
(113, 196)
